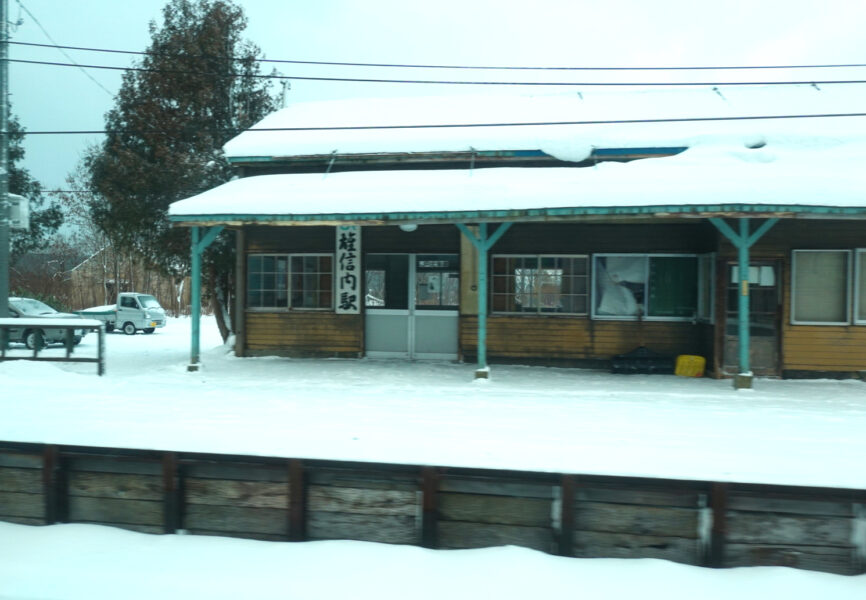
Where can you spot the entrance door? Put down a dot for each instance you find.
(411, 304)
(764, 318)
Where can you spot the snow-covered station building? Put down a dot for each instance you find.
(566, 229)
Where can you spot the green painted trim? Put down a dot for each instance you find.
(195, 296)
(198, 245)
(457, 154)
(516, 215)
(482, 243)
(743, 241)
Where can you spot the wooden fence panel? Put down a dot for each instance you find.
(366, 505)
(807, 532)
(117, 492)
(479, 512)
(22, 497)
(640, 522)
(236, 500)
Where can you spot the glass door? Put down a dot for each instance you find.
(764, 318)
(411, 303)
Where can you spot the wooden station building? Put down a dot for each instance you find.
(544, 230)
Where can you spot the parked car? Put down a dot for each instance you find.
(133, 312)
(29, 336)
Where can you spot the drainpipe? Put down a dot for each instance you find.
(482, 243)
(198, 247)
(742, 241)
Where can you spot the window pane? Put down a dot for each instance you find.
(821, 286)
(267, 281)
(539, 284)
(620, 283)
(673, 286)
(312, 282)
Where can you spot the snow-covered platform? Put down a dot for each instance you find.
(802, 433)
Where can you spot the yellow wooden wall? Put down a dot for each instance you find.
(540, 337)
(304, 334)
(820, 347)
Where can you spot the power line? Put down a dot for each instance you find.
(473, 67)
(61, 48)
(453, 82)
(478, 125)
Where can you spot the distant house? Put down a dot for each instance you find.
(556, 229)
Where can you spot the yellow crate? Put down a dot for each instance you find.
(690, 366)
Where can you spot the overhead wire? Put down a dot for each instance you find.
(466, 67)
(454, 82)
(478, 125)
(61, 48)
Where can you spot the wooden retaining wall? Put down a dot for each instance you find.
(692, 522)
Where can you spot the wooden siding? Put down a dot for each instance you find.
(304, 334)
(236, 500)
(821, 348)
(581, 238)
(539, 337)
(427, 239)
(790, 234)
(693, 522)
(640, 522)
(261, 239)
(804, 348)
(126, 494)
(22, 497)
(363, 505)
(477, 512)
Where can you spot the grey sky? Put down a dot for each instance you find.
(500, 32)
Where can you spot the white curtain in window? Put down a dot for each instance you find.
(821, 286)
(612, 273)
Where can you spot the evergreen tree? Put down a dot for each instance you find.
(197, 87)
(45, 216)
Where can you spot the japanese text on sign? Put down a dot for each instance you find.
(348, 269)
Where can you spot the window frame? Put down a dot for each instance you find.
(289, 274)
(538, 309)
(859, 261)
(848, 288)
(647, 317)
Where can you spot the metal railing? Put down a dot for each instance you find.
(37, 326)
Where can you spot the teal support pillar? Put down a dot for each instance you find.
(743, 241)
(198, 246)
(482, 243)
(743, 317)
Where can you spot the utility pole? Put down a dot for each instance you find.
(5, 218)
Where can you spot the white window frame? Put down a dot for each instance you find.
(848, 291)
(538, 311)
(288, 306)
(859, 259)
(643, 317)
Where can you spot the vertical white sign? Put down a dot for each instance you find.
(348, 269)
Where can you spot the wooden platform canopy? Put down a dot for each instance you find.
(742, 191)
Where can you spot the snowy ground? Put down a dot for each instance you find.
(561, 420)
(88, 562)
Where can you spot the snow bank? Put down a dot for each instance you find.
(89, 562)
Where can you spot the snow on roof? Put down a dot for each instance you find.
(568, 142)
(810, 171)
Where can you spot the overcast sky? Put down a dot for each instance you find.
(472, 32)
